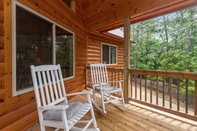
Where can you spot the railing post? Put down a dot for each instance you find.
(195, 99)
(86, 73)
(126, 57)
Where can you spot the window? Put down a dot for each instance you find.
(109, 54)
(64, 51)
(38, 41)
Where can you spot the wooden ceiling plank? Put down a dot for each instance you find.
(127, 9)
(1, 5)
(114, 11)
(116, 25)
(96, 8)
(84, 4)
(138, 18)
(162, 12)
(100, 6)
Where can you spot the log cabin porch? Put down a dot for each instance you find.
(88, 21)
(134, 117)
(152, 105)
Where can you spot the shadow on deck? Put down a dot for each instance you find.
(134, 118)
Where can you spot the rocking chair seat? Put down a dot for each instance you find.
(81, 112)
(75, 112)
(56, 115)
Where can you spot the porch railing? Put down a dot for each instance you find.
(173, 92)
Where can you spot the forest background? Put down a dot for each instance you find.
(167, 42)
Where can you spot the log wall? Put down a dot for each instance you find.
(94, 52)
(19, 112)
(2, 53)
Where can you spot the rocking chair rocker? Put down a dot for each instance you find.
(53, 107)
(101, 85)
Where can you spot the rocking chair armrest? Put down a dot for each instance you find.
(79, 93)
(116, 81)
(102, 84)
(55, 107)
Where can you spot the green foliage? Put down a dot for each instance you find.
(191, 91)
(166, 43)
(64, 54)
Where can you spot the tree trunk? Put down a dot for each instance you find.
(166, 32)
(178, 30)
(146, 45)
(189, 36)
(136, 46)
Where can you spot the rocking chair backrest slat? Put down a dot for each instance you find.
(54, 85)
(41, 88)
(58, 85)
(99, 74)
(46, 89)
(49, 87)
(105, 74)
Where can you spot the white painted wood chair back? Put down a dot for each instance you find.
(54, 110)
(101, 85)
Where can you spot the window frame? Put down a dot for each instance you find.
(54, 24)
(110, 45)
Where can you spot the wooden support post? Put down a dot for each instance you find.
(126, 57)
(72, 5)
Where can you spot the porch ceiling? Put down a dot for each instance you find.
(104, 15)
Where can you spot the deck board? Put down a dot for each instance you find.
(132, 118)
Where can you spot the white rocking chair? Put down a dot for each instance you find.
(101, 85)
(53, 107)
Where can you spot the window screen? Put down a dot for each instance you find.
(33, 45)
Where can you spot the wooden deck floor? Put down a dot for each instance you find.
(134, 118)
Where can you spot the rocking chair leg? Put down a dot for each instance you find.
(42, 128)
(103, 102)
(94, 120)
(94, 95)
(109, 96)
(123, 102)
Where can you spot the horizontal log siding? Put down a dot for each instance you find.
(19, 106)
(94, 50)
